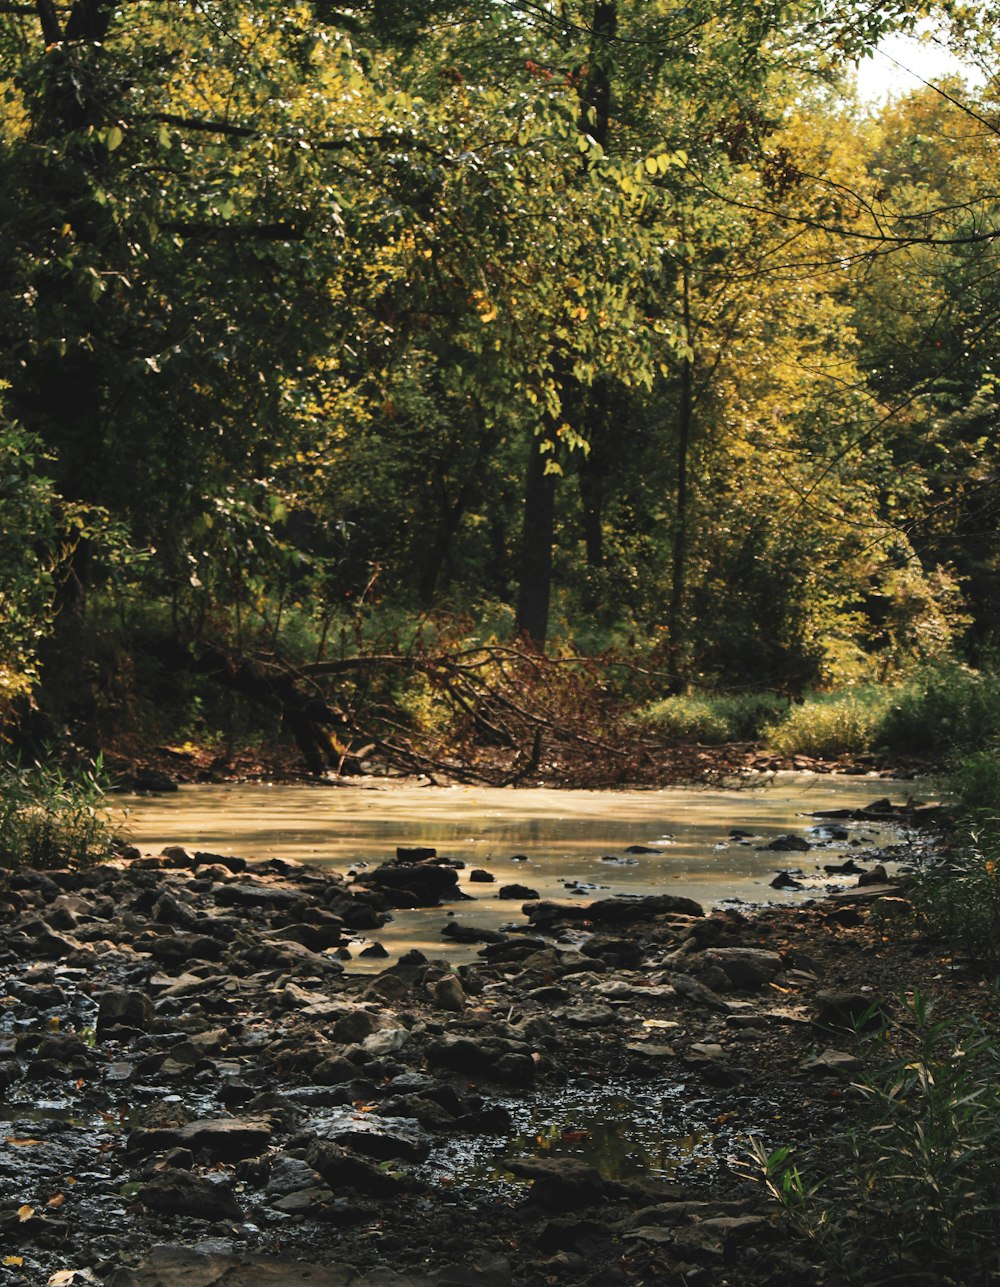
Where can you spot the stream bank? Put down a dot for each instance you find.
(196, 1090)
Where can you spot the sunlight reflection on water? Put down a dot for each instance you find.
(573, 843)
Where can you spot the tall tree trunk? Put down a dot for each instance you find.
(536, 547)
(681, 515)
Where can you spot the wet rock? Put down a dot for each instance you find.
(788, 844)
(39, 996)
(489, 1058)
(345, 1172)
(221, 1140)
(561, 1183)
(384, 1145)
(317, 938)
(481, 877)
(848, 868)
(471, 933)
(623, 952)
(787, 880)
(524, 892)
(877, 876)
(46, 942)
(865, 894)
(427, 884)
(179, 1192)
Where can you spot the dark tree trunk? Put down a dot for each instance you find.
(681, 517)
(536, 547)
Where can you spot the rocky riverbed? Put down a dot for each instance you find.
(195, 1089)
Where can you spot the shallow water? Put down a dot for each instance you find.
(563, 844)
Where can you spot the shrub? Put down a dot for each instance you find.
(684, 719)
(748, 714)
(944, 709)
(51, 817)
(721, 717)
(827, 727)
(912, 1195)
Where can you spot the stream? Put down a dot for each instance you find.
(560, 844)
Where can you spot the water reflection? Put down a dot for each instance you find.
(565, 837)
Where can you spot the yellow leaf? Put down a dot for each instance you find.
(25, 1213)
(652, 166)
(14, 1142)
(56, 1200)
(13, 1260)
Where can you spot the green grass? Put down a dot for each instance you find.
(711, 719)
(829, 726)
(52, 817)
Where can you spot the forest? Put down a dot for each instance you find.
(454, 373)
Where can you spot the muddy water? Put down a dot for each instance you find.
(562, 844)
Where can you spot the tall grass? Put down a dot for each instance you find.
(912, 1195)
(711, 719)
(828, 726)
(53, 817)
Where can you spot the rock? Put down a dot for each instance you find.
(788, 844)
(867, 894)
(123, 1008)
(471, 933)
(347, 1173)
(411, 854)
(384, 1145)
(745, 967)
(692, 990)
(561, 1183)
(877, 876)
(427, 884)
(852, 1011)
(178, 1192)
(491, 1059)
(482, 877)
(834, 1061)
(786, 880)
(153, 780)
(173, 1266)
(448, 994)
(524, 892)
(226, 1139)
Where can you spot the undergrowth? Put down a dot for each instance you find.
(53, 817)
(912, 1194)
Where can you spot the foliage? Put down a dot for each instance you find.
(830, 725)
(711, 719)
(308, 307)
(959, 898)
(53, 817)
(27, 519)
(948, 710)
(915, 1190)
